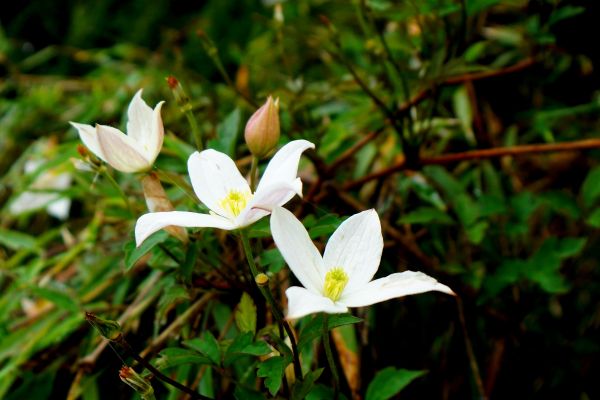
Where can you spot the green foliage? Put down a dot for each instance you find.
(389, 382)
(386, 90)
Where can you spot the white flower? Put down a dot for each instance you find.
(342, 277)
(44, 192)
(220, 186)
(134, 152)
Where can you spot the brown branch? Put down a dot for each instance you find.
(586, 144)
(458, 79)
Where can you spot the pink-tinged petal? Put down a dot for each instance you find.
(157, 134)
(297, 249)
(214, 175)
(301, 302)
(267, 198)
(392, 286)
(149, 223)
(120, 150)
(88, 136)
(283, 167)
(139, 119)
(356, 246)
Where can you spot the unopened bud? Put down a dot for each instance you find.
(110, 330)
(83, 152)
(137, 382)
(262, 129)
(262, 279)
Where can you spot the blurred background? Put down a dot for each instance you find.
(386, 90)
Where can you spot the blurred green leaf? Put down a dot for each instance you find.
(389, 382)
(245, 314)
(15, 240)
(133, 253)
(590, 189)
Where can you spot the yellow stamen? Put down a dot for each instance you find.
(235, 202)
(335, 282)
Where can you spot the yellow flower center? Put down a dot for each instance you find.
(335, 282)
(235, 202)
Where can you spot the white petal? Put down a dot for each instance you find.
(88, 136)
(297, 249)
(301, 302)
(29, 201)
(267, 198)
(214, 175)
(149, 223)
(356, 246)
(284, 164)
(157, 133)
(139, 119)
(59, 208)
(120, 150)
(394, 285)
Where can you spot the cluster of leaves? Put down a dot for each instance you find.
(381, 88)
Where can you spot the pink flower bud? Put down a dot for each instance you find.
(262, 130)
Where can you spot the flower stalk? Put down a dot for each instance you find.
(329, 355)
(266, 292)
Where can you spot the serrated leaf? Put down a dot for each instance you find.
(243, 345)
(206, 345)
(389, 382)
(245, 314)
(272, 370)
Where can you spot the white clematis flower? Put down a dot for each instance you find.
(342, 277)
(134, 152)
(220, 186)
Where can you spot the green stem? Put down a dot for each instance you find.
(253, 173)
(195, 130)
(266, 292)
(119, 189)
(329, 354)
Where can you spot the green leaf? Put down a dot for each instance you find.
(227, 132)
(273, 260)
(314, 327)
(206, 345)
(466, 209)
(301, 388)
(133, 254)
(476, 232)
(17, 240)
(426, 215)
(590, 189)
(245, 314)
(389, 382)
(594, 218)
(243, 345)
(59, 298)
(175, 356)
(272, 370)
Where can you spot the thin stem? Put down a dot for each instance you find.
(470, 353)
(119, 189)
(195, 130)
(329, 354)
(254, 173)
(127, 348)
(266, 292)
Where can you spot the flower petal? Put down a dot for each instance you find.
(139, 119)
(157, 134)
(120, 150)
(214, 175)
(268, 197)
(297, 249)
(356, 246)
(301, 302)
(394, 285)
(284, 164)
(88, 136)
(149, 223)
